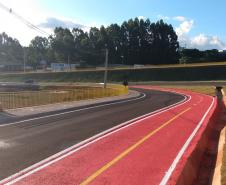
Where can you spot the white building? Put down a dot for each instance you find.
(63, 67)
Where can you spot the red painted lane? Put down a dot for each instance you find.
(146, 164)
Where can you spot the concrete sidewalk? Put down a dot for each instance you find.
(26, 111)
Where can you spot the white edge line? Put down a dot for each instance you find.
(60, 155)
(68, 112)
(185, 146)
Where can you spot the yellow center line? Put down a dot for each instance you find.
(130, 149)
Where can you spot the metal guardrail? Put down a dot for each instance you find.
(11, 100)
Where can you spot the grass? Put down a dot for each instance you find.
(91, 69)
(174, 65)
(164, 73)
(56, 94)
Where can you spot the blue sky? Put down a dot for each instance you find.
(207, 15)
(198, 23)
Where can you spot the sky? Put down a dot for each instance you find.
(198, 23)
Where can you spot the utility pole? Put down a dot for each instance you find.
(106, 68)
(24, 59)
(68, 63)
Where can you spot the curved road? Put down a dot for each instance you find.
(29, 142)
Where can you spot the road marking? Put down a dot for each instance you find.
(68, 112)
(130, 149)
(169, 172)
(69, 151)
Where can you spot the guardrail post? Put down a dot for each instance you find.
(220, 95)
(219, 92)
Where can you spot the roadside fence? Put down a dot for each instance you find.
(11, 100)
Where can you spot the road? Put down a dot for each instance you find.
(151, 149)
(29, 142)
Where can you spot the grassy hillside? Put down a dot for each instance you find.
(201, 73)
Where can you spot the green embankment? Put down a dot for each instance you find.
(203, 73)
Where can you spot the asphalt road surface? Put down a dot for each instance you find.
(29, 142)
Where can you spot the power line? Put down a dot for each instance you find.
(26, 22)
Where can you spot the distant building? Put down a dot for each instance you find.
(57, 67)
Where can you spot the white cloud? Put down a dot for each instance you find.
(184, 28)
(53, 22)
(216, 41)
(205, 42)
(32, 11)
(28, 9)
(141, 17)
(200, 41)
(179, 18)
(160, 16)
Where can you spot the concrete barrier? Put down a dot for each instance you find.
(217, 172)
(217, 176)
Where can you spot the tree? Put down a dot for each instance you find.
(11, 52)
(115, 45)
(62, 43)
(146, 43)
(165, 47)
(37, 51)
(195, 55)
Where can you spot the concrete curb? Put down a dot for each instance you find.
(221, 144)
(217, 172)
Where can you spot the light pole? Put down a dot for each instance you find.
(106, 68)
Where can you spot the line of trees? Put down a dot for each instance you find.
(197, 56)
(135, 41)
